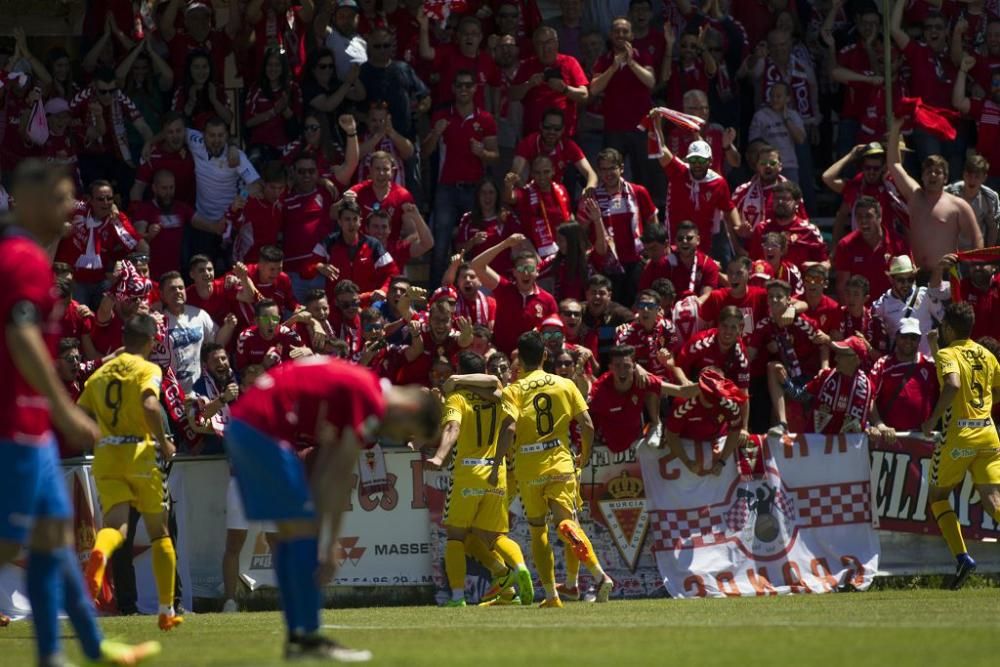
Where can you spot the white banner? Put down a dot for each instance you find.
(385, 536)
(804, 525)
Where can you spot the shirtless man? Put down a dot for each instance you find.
(937, 218)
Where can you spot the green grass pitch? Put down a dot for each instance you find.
(884, 628)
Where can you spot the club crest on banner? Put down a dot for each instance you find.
(762, 517)
(626, 516)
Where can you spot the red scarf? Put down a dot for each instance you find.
(544, 230)
(627, 192)
(478, 312)
(851, 409)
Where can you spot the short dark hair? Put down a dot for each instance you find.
(36, 174)
(599, 280)
(170, 275)
(531, 349)
(788, 187)
(346, 287)
(687, 226)
(651, 293)
(665, 288)
(611, 155)
(199, 259)
(271, 253)
(314, 294)
(779, 284)
(859, 282)
(208, 348)
(215, 121)
(961, 317)
(619, 351)
(138, 331)
(348, 206)
(274, 172)
(263, 305)
(370, 314)
(867, 202)
(67, 344)
(470, 362)
(730, 312)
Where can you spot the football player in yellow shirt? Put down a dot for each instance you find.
(476, 511)
(970, 378)
(123, 396)
(546, 404)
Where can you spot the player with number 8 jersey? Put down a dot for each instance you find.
(544, 465)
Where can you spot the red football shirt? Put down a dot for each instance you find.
(702, 202)
(448, 60)
(540, 213)
(626, 98)
(179, 163)
(106, 337)
(619, 417)
(542, 97)
(905, 396)
(563, 155)
(856, 257)
(805, 242)
(254, 226)
(285, 402)
(702, 272)
(826, 314)
(931, 74)
(519, 313)
(26, 273)
(305, 222)
(625, 214)
(694, 420)
(165, 247)
(795, 348)
(219, 303)
(753, 305)
(251, 348)
(703, 350)
(663, 335)
(392, 202)
(458, 164)
(986, 113)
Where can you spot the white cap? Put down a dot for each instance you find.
(700, 149)
(909, 325)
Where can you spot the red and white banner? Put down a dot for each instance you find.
(803, 525)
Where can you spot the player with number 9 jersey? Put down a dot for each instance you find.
(126, 465)
(546, 405)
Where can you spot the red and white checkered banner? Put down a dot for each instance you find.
(802, 524)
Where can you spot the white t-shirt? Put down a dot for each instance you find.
(187, 334)
(769, 125)
(217, 182)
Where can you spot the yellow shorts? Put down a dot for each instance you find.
(130, 474)
(477, 507)
(974, 450)
(512, 488)
(538, 494)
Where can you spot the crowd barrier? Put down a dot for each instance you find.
(395, 538)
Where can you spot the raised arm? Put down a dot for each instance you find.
(907, 186)
(831, 177)
(959, 99)
(168, 20)
(896, 25)
(481, 263)
(666, 157)
(424, 240)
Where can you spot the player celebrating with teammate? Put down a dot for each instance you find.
(544, 466)
(970, 377)
(337, 405)
(124, 397)
(482, 428)
(35, 503)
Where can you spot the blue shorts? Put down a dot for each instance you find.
(33, 487)
(272, 480)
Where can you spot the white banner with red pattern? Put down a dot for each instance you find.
(802, 522)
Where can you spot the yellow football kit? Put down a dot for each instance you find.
(546, 405)
(970, 437)
(126, 460)
(472, 501)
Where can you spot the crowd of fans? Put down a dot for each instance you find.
(396, 181)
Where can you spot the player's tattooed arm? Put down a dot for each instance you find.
(481, 384)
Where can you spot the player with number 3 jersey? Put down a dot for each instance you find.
(544, 465)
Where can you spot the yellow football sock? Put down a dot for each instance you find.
(164, 569)
(590, 560)
(475, 547)
(454, 564)
(545, 561)
(107, 542)
(947, 521)
(572, 567)
(510, 551)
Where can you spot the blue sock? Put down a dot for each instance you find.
(78, 605)
(45, 591)
(303, 552)
(284, 565)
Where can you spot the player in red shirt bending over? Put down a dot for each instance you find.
(339, 406)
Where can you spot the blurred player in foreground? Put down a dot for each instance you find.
(124, 396)
(338, 405)
(970, 377)
(35, 507)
